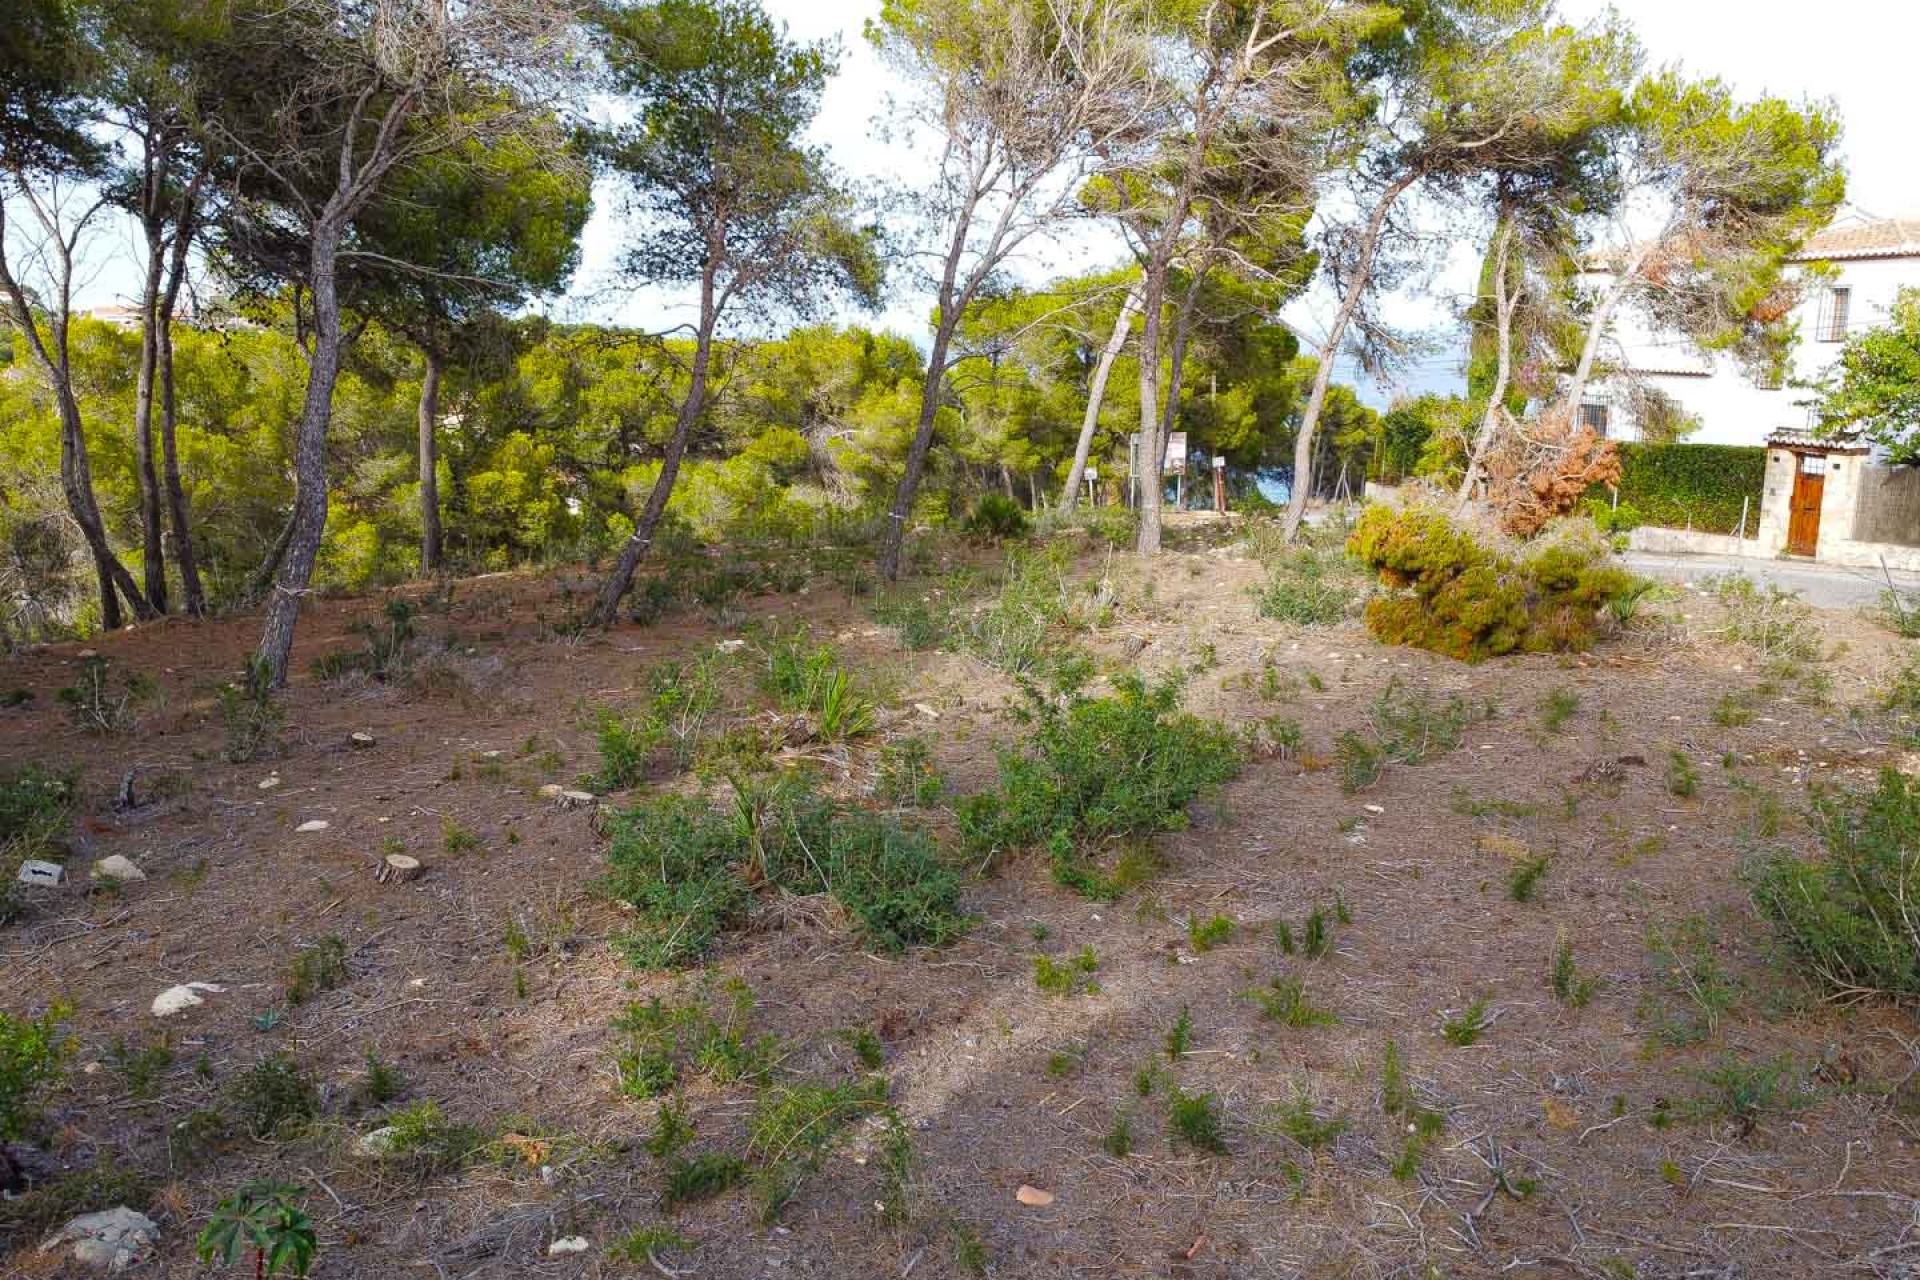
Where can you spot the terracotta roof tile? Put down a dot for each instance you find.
(1860, 238)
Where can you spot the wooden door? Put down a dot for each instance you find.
(1803, 522)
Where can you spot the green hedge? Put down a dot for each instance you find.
(1692, 485)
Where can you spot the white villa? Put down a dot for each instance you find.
(1872, 259)
(1823, 498)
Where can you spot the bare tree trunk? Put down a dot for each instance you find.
(309, 521)
(193, 598)
(1330, 350)
(262, 580)
(429, 462)
(607, 608)
(1176, 357)
(152, 553)
(1096, 393)
(1504, 305)
(1153, 293)
(1597, 330)
(893, 538)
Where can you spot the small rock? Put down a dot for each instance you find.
(551, 791)
(926, 711)
(37, 872)
(111, 1241)
(1376, 808)
(1033, 1197)
(314, 824)
(269, 782)
(377, 1144)
(567, 1244)
(118, 867)
(181, 998)
(732, 646)
(360, 738)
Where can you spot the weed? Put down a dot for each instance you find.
(141, 1069)
(702, 1177)
(1570, 986)
(1733, 709)
(381, 1083)
(1316, 939)
(274, 1097)
(1102, 771)
(969, 1254)
(317, 968)
(32, 1051)
(690, 870)
(867, 1047)
(1409, 726)
(1743, 1091)
(251, 714)
(1467, 1028)
(1300, 1122)
(1119, 1140)
(422, 1137)
(1180, 1037)
(1850, 917)
(1284, 1000)
(1196, 1120)
(810, 681)
(1557, 708)
(457, 839)
(1205, 935)
(1284, 939)
(1686, 964)
(643, 1246)
(1682, 779)
(1523, 882)
(98, 703)
(793, 1126)
(908, 777)
(706, 1035)
(1062, 1063)
(1310, 587)
(1070, 976)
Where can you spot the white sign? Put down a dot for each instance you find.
(1177, 451)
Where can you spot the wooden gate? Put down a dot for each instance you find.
(1803, 521)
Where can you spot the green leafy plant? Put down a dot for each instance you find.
(1205, 935)
(1299, 1121)
(794, 1126)
(1310, 587)
(1523, 882)
(1180, 1036)
(1744, 1091)
(32, 1051)
(274, 1096)
(268, 1218)
(1119, 1140)
(996, 518)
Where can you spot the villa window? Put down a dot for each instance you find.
(1594, 418)
(1833, 327)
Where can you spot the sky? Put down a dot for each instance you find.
(1857, 53)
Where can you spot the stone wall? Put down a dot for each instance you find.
(1889, 506)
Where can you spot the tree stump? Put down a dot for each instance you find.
(398, 868)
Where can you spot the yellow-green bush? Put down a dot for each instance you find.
(1455, 596)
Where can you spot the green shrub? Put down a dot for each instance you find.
(317, 968)
(809, 680)
(1196, 1120)
(275, 1096)
(1699, 486)
(421, 1136)
(1851, 916)
(1099, 771)
(908, 776)
(31, 1053)
(690, 870)
(996, 518)
(681, 701)
(1284, 1000)
(794, 1126)
(97, 703)
(1454, 596)
(1072, 975)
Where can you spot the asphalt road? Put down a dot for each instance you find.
(1824, 586)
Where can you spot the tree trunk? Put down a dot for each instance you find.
(193, 598)
(1597, 332)
(309, 521)
(429, 462)
(1096, 393)
(893, 538)
(152, 553)
(1504, 305)
(263, 577)
(1323, 376)
(1176, 357)
(607, 608)
(1152, 295)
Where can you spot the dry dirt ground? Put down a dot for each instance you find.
(1576, 1141)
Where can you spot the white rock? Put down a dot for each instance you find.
(181, 998)
(314, 824)
(269, 782)
(567, 1244)
(360, 738)
(376, 1145)
(111, 1241)
(926, 711)
(732, 646)
(1376, 808)
(37, 872)
(118, 867)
